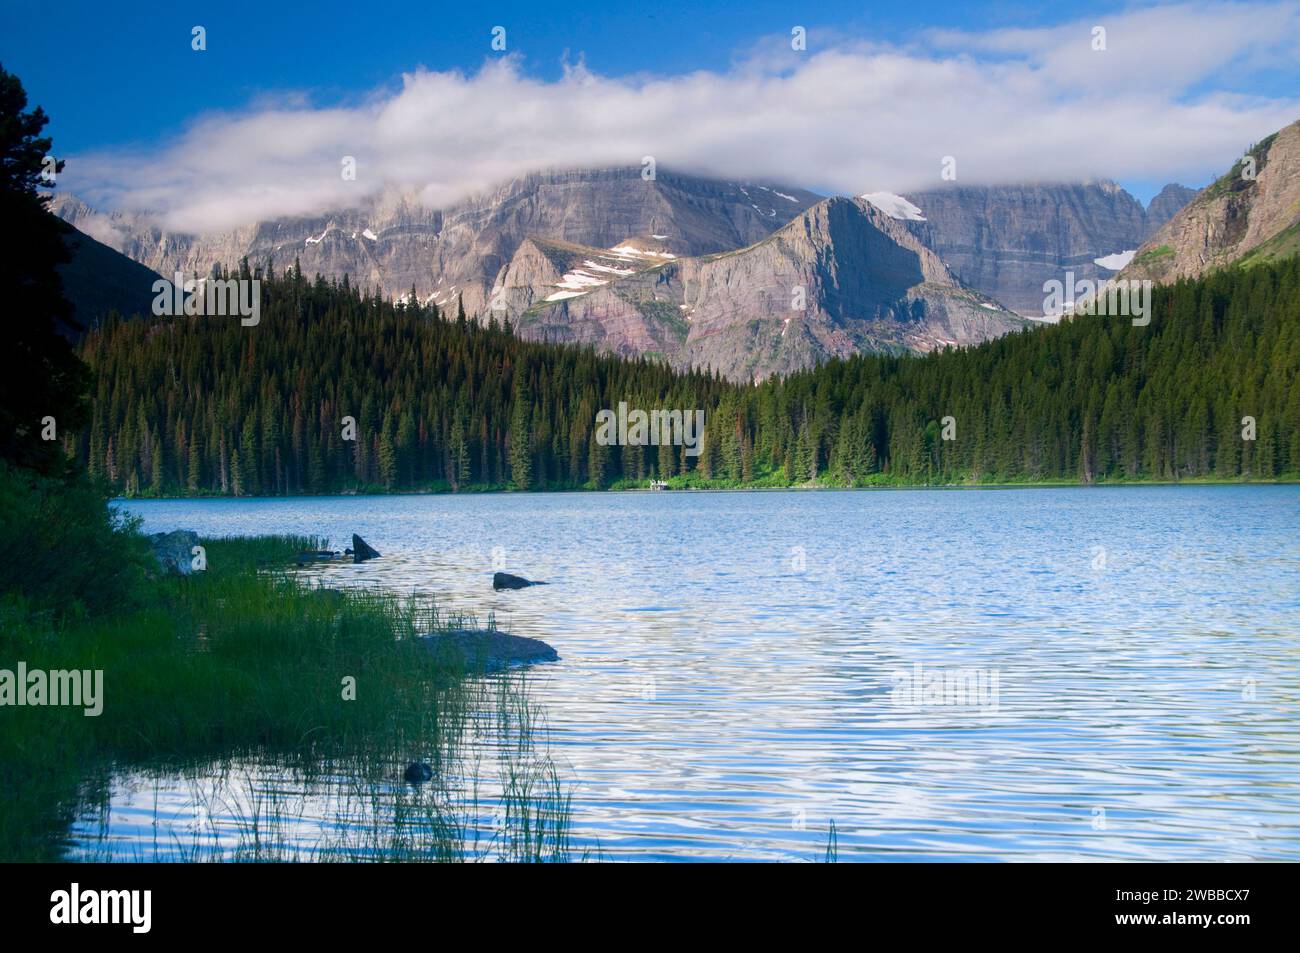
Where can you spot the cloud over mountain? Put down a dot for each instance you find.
(1169, 98)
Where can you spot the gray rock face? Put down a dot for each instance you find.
(1235, 219)
(481, 650)
(841, 278)
(626, 300)
(1167, 203)
(1006, 241)
(174, 550)
(394, 244)
(870, 286)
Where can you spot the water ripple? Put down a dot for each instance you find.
(733, 665)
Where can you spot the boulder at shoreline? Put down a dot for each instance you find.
(174, 550)
(488, 650)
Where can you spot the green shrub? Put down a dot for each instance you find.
(63, 551)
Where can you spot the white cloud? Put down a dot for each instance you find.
(1163, 102)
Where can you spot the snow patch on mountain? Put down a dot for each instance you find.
(626, 251)
(895, 206)
(609, 269)
(1116, 261)
(579, 280)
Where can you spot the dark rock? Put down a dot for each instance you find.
(174, 550)
(418, 772)
(361, 550)
(316, 555)
(503, 580)
(488, 650)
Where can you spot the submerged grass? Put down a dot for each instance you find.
(247, 673)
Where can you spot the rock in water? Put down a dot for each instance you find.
(488, 650)
(503, 580)
(361, 550)
(174, 550)
(418, 773)
(316, 555)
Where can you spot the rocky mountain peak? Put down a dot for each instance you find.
(1007, 240)
(1251, 213)
(1166, 204)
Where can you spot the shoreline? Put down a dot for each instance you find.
(201, 672)
(1041, 485)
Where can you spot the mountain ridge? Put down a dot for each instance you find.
(392, 243)
(677, 266)
(1008, 240)
(839, 279)
(1239, 218)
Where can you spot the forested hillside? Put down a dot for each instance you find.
(204, 405)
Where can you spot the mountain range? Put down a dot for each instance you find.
(747, 279)
(1008, 240)
(841, 278)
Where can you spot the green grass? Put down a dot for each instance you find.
(1154, 255)
(665, 314)
(1285, 244)
(764, 479)
(245, 664)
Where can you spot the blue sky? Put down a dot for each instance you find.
(125, 89)
(110, 72)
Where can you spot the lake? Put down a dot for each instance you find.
(1027, 674)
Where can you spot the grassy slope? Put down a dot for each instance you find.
(1284, 244)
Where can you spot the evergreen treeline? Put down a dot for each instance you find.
(203, 405)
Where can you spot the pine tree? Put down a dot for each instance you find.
(521, 450)
(387, 455)
(156, 471)
(195, 468)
